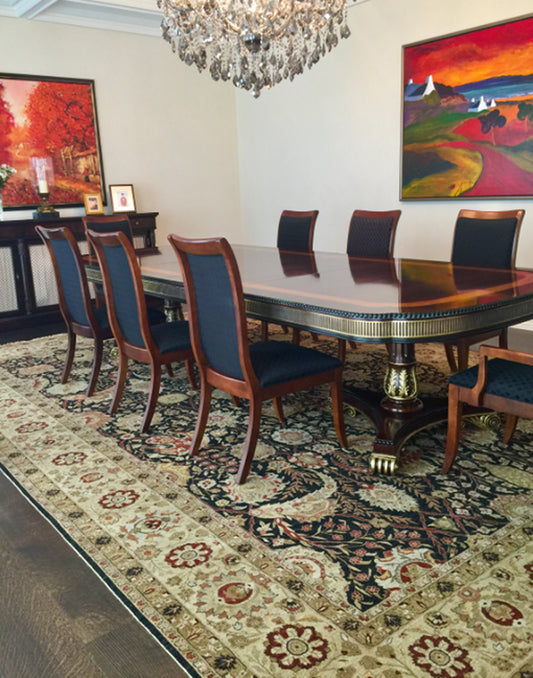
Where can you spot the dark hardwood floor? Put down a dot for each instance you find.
(57, 619)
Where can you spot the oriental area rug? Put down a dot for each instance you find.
(316, 566)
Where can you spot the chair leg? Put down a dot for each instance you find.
(278, 408)
(341, 350)
(236, 401)
(450, 357)
(155, 385)
(264, 330)
(463, 351)
(504, 337)
(455, 410)
(251, 440)
(122, 371)
(169, 370)
(295, 336)
(338, 411)
(203, 412)
(71, 347)
(510, 426)
(189, 366)
(97, 362)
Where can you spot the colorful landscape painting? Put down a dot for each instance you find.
(48, 133)
(468, 114)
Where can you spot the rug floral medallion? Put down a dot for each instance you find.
(315, 566)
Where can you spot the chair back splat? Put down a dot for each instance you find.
(137, 338)
(372, 234)
(487, 240)
(296, 231)
(219, 334)
(75, 304)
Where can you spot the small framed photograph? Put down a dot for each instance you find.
(93, 203)
(122, 198)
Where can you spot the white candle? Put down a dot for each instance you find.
(43, 186)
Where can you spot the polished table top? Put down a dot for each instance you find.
(401, 300)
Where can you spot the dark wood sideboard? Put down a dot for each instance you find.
(25, 267)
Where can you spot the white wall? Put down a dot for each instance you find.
(163, 128)
(330, 140)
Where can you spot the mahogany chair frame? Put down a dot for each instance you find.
(307, 246)
(149, 353)
(91, 330)
(248, 387)
(463, 344)
(478, 397)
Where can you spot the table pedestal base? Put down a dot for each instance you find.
(393, 428)
(398, 414)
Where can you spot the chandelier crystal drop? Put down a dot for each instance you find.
(253, 43)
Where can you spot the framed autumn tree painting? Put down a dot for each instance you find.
(468, 114)
(49, 135)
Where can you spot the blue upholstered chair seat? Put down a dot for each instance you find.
(275, 362)
(172, 336)
(506, 379)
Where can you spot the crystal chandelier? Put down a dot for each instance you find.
(253, 43)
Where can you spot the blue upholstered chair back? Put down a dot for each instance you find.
(294, 233)
(123, 293)
(70, 280)
(370, 237)
(216, 313)
(484, 242)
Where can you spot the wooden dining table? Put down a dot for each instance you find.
(396, 302)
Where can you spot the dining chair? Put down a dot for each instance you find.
(296, 231)
(487, 240)
(156, 344)
(107, 224)
(81, 317)
(371, 235)
(502, 381)
(226, 360)
(111, 224)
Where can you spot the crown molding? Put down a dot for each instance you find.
(130, 16)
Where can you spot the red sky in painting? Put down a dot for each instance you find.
(506, 49)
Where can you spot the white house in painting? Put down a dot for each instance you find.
(416, 91)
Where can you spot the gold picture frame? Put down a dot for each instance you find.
(93, 203)
(122, 198)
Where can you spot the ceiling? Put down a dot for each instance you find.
(131, 16)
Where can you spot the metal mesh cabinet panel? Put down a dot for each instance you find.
(44, 283)
(8, 283)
